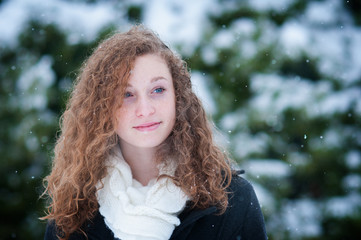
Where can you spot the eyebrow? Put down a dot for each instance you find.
(154, 79)
(157, 79)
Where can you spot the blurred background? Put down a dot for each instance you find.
(280, 79)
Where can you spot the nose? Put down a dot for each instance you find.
(144, 107)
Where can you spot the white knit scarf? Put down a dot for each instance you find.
(134, 211)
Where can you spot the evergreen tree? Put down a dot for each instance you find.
(286, 81)
(36, 74)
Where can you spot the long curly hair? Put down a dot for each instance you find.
(88, 133)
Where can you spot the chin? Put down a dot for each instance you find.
(148, 144)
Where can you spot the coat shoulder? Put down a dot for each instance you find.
(240, 193)
(243, 217)
(95, 229)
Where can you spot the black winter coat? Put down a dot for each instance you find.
(243, 220)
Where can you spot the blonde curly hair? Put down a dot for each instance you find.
(88, 133)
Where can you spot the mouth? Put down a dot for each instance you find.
(147, 127)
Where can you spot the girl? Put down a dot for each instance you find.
(136, 158)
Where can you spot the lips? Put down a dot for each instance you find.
(146, 127)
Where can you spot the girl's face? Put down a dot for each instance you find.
(147, 115)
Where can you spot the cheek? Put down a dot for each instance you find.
(173, 106)
(172, 112)
(120, 117)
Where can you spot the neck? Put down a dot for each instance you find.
(141, 161)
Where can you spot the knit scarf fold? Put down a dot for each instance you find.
(134, 211)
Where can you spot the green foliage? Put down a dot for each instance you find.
(317, 171)
(342, 228)
(300, 67)
(135, 14)
(27, 135)
(354, 7)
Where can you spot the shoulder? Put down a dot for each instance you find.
(239, 185)
(240, 193)
(95, 229)
(242, 219)
(243, 216)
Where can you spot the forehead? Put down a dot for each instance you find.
(150, 67)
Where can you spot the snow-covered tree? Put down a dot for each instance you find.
(286, 76)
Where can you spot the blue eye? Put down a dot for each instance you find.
(127, 94)
(159, 90)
